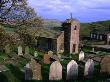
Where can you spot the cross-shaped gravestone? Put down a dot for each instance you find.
(55, 71)
(72, 70)
(89, 68)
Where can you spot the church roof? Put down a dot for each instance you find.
(44, 32)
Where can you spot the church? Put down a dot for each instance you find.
(64, 41)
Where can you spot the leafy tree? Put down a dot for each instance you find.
(4, 38)
(18, 13)
(6, 6)
(26, 36)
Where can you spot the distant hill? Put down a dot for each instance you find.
(99, 25)
(103, 23)
(85, 29)
(51, 23)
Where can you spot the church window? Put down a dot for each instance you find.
(75, 28)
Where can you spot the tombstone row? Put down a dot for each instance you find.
(55, 72)
(20, 51)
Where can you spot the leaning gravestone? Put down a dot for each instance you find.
(26, 50)
(89, 68)
(54, 58)
(50, 53)
(7, 49)
(81, 56)
(72, 70)
(20, 50)
(28, 72)
(55, 71)
(36, 70)
(105, 65)
(46, 59)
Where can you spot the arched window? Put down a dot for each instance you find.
(75, 27)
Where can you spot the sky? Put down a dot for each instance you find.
(83, 10)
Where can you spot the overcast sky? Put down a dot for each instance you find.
(83, 10)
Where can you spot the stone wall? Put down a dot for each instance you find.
(60, 43)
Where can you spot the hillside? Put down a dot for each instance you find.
(14, 65)
(99, 25)
(51, 23)
(84, 30)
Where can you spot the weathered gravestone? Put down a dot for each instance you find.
(59, 56)
(36, 70)
(93, 50)
(55, 71)
(81, 56)
(72, 70)
(46, 59)
(28, 72)
(20, 50)
(7, 49)
(50, 53)
(105, 65)
(89, 68)
(54, 58)
(26, 50)
(35, 54)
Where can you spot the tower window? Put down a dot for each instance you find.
(75, 28)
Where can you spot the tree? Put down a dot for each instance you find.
(4, 38)
(18, 12)
(26, 36)
(6, 6)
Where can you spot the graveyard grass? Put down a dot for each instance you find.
(16, 69)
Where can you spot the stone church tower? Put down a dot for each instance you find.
(71, 35)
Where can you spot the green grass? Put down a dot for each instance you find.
(2, 57)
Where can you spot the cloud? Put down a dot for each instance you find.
(84, 10)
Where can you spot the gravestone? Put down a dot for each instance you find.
(89, 68)
(50, 53)
(7, 49)
(36, 70)
(105, 65)
(46, 59)
(59, 56)
(20, 50)
(55, 71)
(72, 70)
(28, 72)
(81, 56)
(70, 56)
(35, 54)
(26, 50)
(54, 58)
(93, 50)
